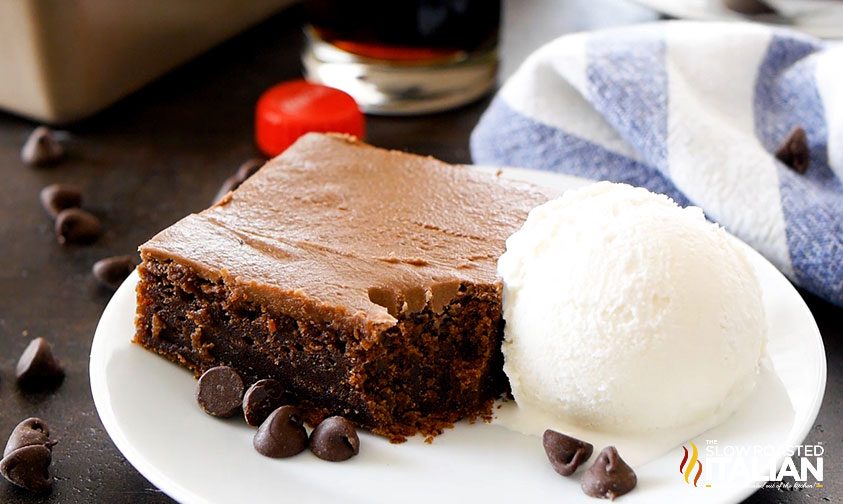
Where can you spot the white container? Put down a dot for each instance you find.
(62, 60)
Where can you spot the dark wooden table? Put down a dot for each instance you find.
(161, 154)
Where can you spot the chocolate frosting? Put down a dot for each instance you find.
(346, 227)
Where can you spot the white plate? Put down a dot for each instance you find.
(147, 406)
(714, 10)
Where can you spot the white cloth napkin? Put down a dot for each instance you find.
(695, 111)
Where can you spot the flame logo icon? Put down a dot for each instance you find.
(690, 462)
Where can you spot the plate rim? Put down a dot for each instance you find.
(102, 403)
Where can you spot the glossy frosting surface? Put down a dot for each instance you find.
(361, 230)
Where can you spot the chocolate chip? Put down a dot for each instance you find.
(220, 391)
(609, 477)
(57, 197)
(794, 151)
(111, 271)
(26, 459)
(41, 148)
(565, 452)
(282, 434)
(230, 184)
(37, 368)
(32, 431)
(74, 225)
(29, 468)
(262, 398)
(245, 171)
(749, 7)
(249, 168)
(335, 439)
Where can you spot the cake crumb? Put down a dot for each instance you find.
(158, 325)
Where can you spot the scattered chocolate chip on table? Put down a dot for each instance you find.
(42, 148)
(246, 170)
(27, 456)
(32, 431)
(77, 226)
(29, 468)
(38, 368)
(58, 197)
(249, 168)
(111, 271)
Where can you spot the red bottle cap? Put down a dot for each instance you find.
(289, 110)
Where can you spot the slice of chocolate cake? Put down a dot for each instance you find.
(363, 279)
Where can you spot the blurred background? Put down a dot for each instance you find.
(63, 61)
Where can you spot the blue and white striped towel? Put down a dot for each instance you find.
(694, 111)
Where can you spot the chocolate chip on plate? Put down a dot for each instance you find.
(220, 391)
(565, 452)
(57, 197)
(111, 271)
(41, 148)
(262, 398)
(335, 439)
(74, 225)
(609, 477)
(32, 431)
(794, 151)
(282, 434)
(29, 468)
(38, 367)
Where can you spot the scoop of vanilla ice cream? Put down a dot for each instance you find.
(627, 313)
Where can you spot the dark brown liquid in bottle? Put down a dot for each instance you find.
(406, 30)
